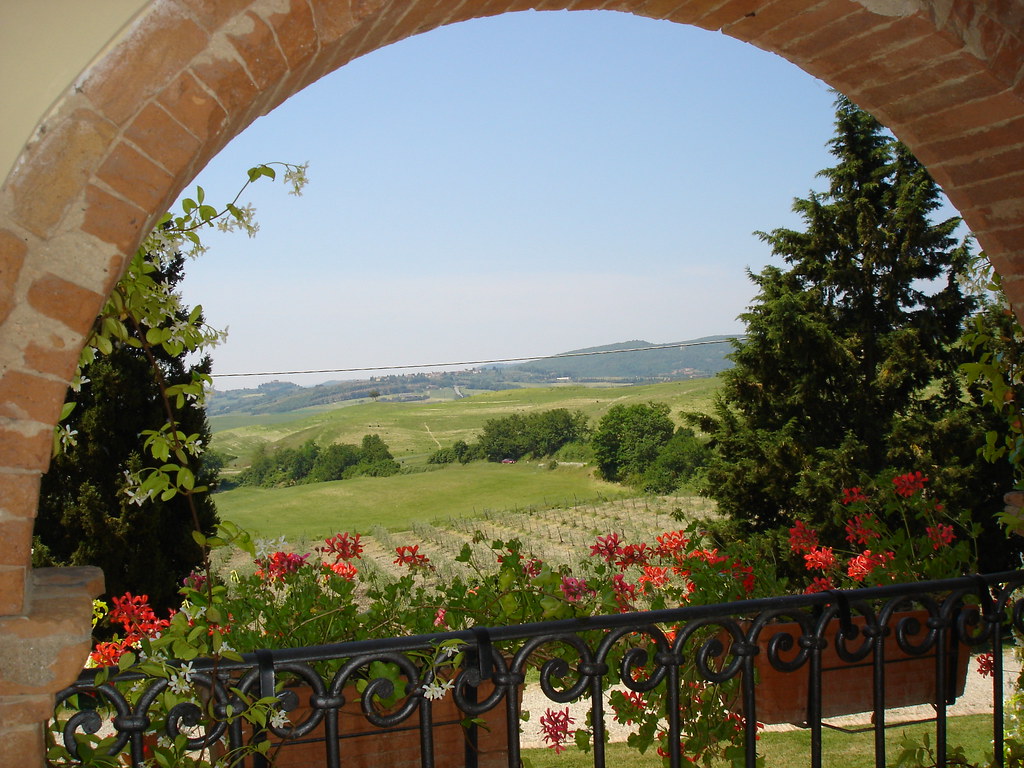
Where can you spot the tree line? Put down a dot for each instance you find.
(312, 463)
(634, 444)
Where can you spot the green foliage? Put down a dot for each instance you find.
(995, 340)
(629, 438)
(127, 485)
(849, 364)
(678, 460)
(535, 435)
(90, 512)
(309, 463)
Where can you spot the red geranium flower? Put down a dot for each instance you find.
(411, 556)
(851, 495)
(607, 547)
(909, 484)
(941, 535)
(802, 538)
(820, 558)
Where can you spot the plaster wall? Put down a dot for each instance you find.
(44, 45)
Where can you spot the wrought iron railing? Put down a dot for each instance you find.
(736, 647)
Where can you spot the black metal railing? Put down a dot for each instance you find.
(337, 697)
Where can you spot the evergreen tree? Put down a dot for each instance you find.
(848, 366)
(86, 517)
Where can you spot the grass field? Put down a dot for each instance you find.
(395, 503)
(415, 430)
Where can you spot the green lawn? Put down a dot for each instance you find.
(322, 509)
(791, 749)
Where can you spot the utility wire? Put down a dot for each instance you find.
(481, 362)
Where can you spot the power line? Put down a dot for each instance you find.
(480, 362)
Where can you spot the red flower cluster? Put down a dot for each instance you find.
(986, 664)
(851, 495)
(136, 616)
(671, 543)
(555, 725)
(411, 556)
(941, 535)
(909, 484)
(346, 571)
(862, 529)
(820, 558)
(342, 546)
(654, 576)
(628, 706)
(633, 554)
(802, 538)
(607, 547)
(862, 565)
(280, 564)
(625, 593)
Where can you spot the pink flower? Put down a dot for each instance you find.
(941, 535)
(820, 558)
(575, 589)
(555, 725)
(802, 538)
(607, 547)
(532, 567)
(909, 484)
(439, 620)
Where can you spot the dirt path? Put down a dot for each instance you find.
(426, 427)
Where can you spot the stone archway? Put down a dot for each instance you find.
(189, 75)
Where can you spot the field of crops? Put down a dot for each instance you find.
(553, 532)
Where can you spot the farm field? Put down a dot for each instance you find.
(415, 430)
(453, 493)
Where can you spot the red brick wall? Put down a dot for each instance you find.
(944, 75)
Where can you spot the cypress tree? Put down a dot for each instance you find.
(849, 350)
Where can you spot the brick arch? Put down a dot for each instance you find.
(189, 75)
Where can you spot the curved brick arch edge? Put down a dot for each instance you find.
(189, 75)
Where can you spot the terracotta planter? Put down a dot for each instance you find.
(846, 688)
(364, 745)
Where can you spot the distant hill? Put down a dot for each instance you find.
(706, 357)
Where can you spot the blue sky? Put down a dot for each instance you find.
(520, 185)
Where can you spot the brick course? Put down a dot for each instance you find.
(189, 75)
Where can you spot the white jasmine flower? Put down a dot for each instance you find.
(279, 719)
(433, 691)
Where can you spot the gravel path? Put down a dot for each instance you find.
(977, 699)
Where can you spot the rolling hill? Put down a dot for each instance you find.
(701, 358)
